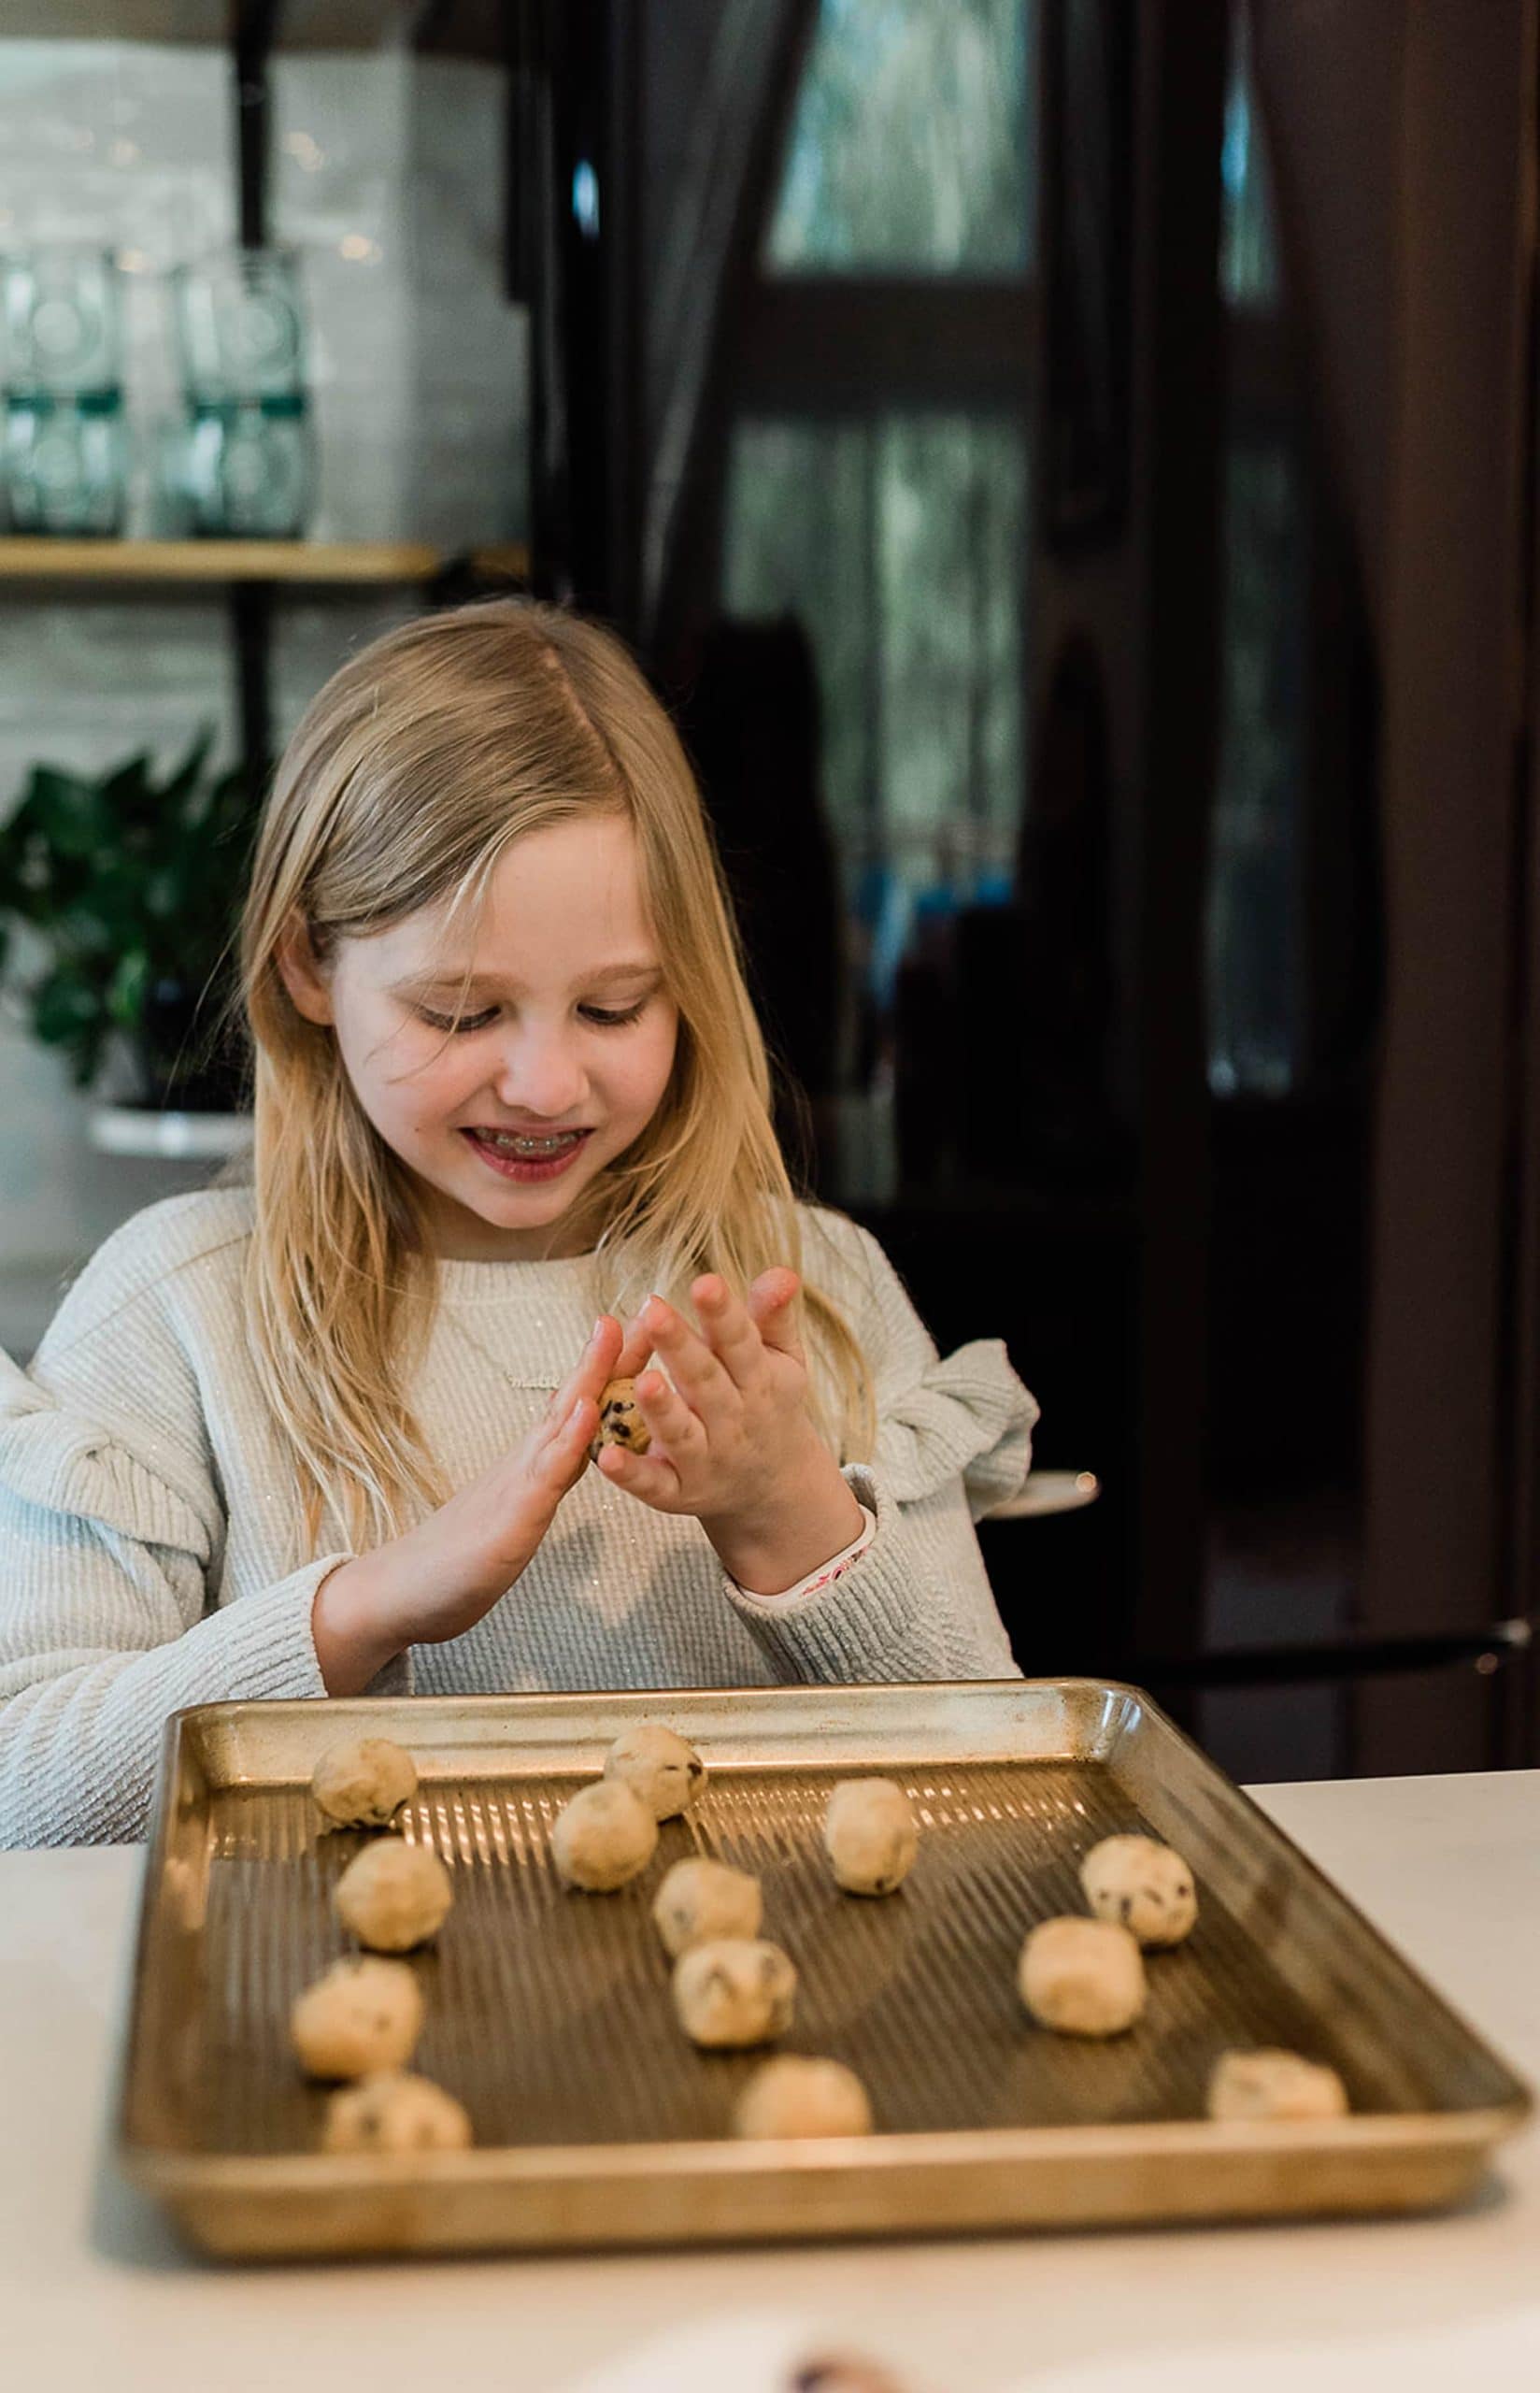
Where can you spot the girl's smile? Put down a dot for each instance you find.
(509, 1065)
(523, 1156)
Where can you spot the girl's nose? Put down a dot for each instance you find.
(540, 1072)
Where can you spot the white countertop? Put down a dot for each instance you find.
(96, 2292)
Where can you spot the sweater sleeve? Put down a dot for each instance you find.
(106, 1540)
(953, 1437)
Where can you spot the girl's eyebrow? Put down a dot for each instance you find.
(433, 983)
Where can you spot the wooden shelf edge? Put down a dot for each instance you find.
(380, 562)
(474, 30)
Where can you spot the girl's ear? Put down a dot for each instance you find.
(301, 972)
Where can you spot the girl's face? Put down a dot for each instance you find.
(563, 1051)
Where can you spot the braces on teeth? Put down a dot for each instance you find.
(517, 1145)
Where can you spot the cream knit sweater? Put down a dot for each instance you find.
(150, 1555)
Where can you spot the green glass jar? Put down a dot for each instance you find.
(240, 325)
(248, 467)
(64, 463)
(61, 321)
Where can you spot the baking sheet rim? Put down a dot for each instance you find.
(1097, 2142)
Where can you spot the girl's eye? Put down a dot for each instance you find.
(601, 1017)
(611, 1017)
(457, 1023)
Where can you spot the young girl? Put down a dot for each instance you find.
(329, 1433)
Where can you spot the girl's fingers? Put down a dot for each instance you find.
(601, 1355)
(635, 1350)
(649, 1477)
(734, 1332)
(770, 1300)
(730, 1331)
(594, 1368)
(669, 1417)
(561, 1454)
(695, 1372)
(578, 1427)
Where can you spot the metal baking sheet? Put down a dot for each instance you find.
(548, 2011)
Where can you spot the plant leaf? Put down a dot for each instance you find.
(67, 812)
(128, 882)
(125, 994)
(63, 1009)
(184, 780)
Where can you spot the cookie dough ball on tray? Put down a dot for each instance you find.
(1145, 1886)
(395, 2112)
(660, 1768)
(701, 1901)
(394, 1896)
(870, 1835)
(792, 2096)
(621, 1422)
(1275, 2085)
(363, 2015)
(733, 1992)
(603, 1838)
(1083, 1977)
(363, 1782)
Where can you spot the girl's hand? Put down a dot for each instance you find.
(444, 1575)
(732, 1440)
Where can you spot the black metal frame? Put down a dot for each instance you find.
(1504, 1642)
(250, 603)
(1502, 1656)
(573, 123)
(1087, 63)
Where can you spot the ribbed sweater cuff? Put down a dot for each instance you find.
(84, 1751)
(259, 1649)
(861, 1627)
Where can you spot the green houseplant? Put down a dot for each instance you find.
(118, 899)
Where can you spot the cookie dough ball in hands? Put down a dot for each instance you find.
(1145, 1886)
(394, 1896)
(734, 1991)
(602, 1837)
(395, 2113)
(1275, 2085)
(700, 1902)
(363, 2015)
(791, 2096)
(1083, 1977)
(870, 1835)
(665, 1772)
(621, 1422)
(363, 1782)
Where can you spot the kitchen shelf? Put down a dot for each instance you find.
(316, 561)
(470, 29)
(170, 1137)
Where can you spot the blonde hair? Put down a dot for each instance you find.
(414, 769)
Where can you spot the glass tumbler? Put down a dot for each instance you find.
(61, 318)
(240, 325)
(240, 332)
(247, 469)
(65, 464)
